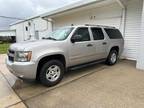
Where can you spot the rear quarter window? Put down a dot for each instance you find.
(113, 33)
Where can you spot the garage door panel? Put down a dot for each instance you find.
(108, 22)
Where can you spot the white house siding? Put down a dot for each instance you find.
(140, 59)
(19, 32)
(133, 24)
(109, 15)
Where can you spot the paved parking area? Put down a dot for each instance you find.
(8, 98)
(98, 86)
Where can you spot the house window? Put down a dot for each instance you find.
(26, 28)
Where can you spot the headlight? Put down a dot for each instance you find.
(23, 56)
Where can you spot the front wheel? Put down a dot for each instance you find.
(52, 73)
(112, 58)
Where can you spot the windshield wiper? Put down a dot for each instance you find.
(50, 38)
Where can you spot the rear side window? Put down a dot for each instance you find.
(113, 33)
(97, 33)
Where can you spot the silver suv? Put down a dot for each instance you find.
(47, 59)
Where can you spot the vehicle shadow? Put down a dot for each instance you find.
(28, 89)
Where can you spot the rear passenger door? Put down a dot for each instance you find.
(100, 43)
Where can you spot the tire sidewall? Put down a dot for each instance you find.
(110, 55)
(42, 76)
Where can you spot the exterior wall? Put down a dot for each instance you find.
(108, 15)
(133, 29)
(19, 32)
(140, 60)
(36, 24)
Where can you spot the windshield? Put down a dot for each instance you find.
(60, 34)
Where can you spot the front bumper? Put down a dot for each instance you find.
(24, 70)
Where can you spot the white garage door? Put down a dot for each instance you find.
(110, 15)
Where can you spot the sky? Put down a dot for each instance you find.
(26, 8)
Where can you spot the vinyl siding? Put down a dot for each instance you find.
(132, 33)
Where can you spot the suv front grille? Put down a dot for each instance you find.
(11, 55)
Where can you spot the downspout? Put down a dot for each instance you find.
(124, 11)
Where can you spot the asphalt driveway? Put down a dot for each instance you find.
(97, 86)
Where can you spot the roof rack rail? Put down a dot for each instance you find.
(99, 25)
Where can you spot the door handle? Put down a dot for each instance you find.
(104, 43)
(89, 45)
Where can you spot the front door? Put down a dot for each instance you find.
(82, 50)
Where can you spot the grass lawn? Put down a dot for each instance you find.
(4, 47)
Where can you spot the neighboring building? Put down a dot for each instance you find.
(126, 15)
(8, 35)
(31, 28)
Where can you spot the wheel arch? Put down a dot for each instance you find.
(115, 48)
(45, 59)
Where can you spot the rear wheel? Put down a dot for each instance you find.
(51, 73)
(112, 58)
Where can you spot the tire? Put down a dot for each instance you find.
(112, 57)
(51, 73)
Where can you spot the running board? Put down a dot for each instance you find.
(86, 64)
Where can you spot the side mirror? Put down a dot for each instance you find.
(76, 38)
